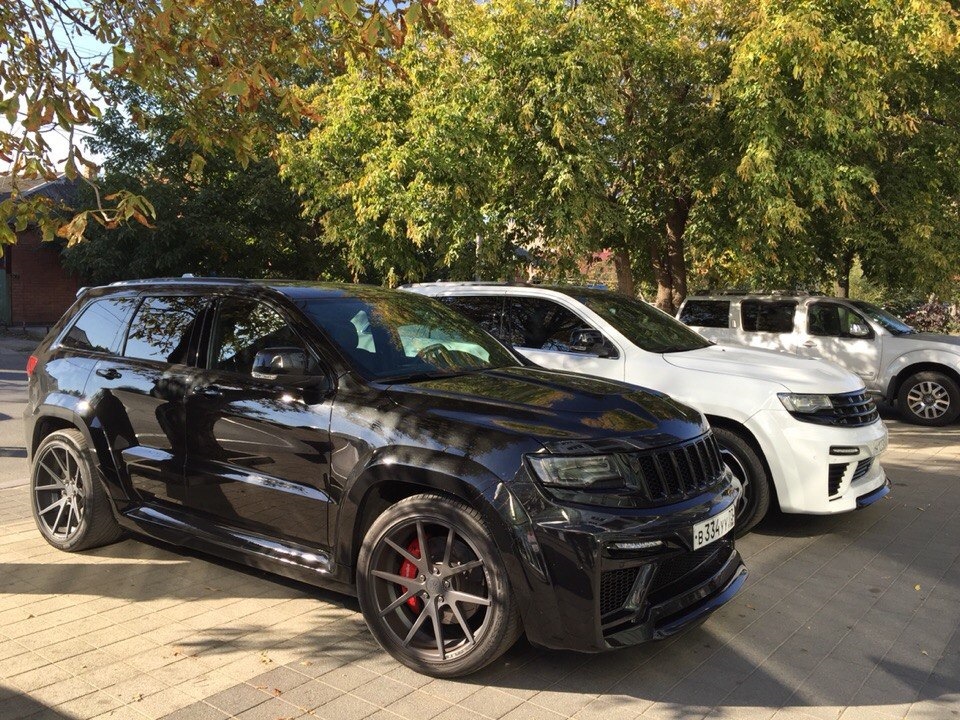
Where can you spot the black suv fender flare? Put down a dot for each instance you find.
(68, 411)
(395, 473)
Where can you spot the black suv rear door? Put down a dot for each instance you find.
(258, 451)
(138, 395)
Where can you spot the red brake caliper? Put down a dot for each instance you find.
(409, 570)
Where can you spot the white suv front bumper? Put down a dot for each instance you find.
(821, 469)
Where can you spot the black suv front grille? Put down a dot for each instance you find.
(854, 409)
(677, 472)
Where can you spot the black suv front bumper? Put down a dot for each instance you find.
(586, 592)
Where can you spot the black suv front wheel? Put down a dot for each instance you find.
(433, 588)
(745, 463)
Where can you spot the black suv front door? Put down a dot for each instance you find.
(258, 450)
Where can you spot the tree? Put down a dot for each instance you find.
(847, 116)
(214, 62)
(228, 220)
(768, 142)
(552, 128)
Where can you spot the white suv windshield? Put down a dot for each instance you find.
(643, 325)
(882, 317)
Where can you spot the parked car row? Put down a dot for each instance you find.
(451, 463)
(795, 431)
(919, 372)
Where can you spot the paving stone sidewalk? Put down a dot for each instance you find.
(843, 617)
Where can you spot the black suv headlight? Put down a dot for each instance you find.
(588, 473)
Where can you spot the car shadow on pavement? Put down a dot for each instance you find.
(17, 705)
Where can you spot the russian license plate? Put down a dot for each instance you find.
(713, 529)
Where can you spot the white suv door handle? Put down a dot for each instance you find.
(810, 343)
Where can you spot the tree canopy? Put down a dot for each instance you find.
(764, 141)
(217, 63)
(228, 220)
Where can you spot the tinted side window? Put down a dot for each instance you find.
(245, 327)
(541, 325)
(487, 312)
(832, 320)
(706, 313)
(162, 327)
(772, 316)
(100, 325)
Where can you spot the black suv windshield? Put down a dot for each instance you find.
(643, 325)
(882, 317)
(402, 336)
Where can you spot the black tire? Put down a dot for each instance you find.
(401, 616)
(63, 480)
(929, 398)
(744, 461)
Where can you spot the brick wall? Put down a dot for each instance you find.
(40, 289)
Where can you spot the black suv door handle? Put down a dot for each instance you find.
(108, 373)
(210, 391)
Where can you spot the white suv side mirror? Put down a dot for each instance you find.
(859, 330)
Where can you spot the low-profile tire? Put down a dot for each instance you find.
(403, 592)
(746, 464)
(929, 398)
(69, 504)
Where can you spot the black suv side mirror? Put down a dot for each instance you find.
(280, 363)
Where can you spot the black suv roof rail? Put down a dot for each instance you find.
(187, 278)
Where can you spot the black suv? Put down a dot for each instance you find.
(378, 443)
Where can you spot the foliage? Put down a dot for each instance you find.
(227, 220)
(215, 62)
(935, 317)
(766, 144)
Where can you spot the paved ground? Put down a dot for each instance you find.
(854, 617)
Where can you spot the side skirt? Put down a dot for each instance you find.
(297, 562)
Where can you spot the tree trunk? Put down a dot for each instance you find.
(666, 257)
(625, 284)
(661, 273)
(842, 284)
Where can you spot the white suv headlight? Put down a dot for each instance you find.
(802, 403)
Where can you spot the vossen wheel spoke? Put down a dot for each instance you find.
(55, 477)
(424, 614)
(465, 567)
(437, 630)
(47, 509)
(459, 596)
(399, 601)
(463, 623)
(397, 579)
(422, 539)
(56, 522)
(448, 548)
(405, 554)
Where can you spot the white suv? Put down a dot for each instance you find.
(799, 432)
(920, 372)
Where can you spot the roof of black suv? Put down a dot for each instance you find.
(290, 288)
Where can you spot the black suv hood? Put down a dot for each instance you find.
(553, 407)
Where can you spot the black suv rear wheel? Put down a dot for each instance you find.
(70, 507)
(433, 588)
